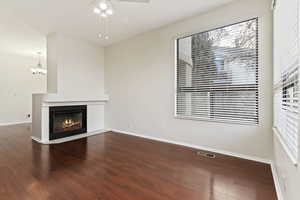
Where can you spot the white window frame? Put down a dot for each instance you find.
(175, 39)
(280, 136)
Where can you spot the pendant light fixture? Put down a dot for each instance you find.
(39, 68)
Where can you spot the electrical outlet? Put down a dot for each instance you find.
(28, 115)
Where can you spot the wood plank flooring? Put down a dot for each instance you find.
(114, 166)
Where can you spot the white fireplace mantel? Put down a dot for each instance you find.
(40, 116)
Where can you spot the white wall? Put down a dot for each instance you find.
(288, 173)
(140, 82)
(76, 68)
(52, 62)
(75, 77)
(18, 52)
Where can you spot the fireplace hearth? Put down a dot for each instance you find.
(67, 121)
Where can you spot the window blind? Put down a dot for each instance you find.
(217, 74)
(286, 74)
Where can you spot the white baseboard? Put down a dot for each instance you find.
(67, 139)
(15, 123)
(253, 158)
(36, 139)
(276, 181)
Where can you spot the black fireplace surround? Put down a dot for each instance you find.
(65, 121)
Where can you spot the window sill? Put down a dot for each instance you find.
(279, 138)
(214, 120)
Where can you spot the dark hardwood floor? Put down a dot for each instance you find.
(114, 166)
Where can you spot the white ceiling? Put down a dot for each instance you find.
(75, 17)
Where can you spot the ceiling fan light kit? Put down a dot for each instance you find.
(104, 9)
(97, 10)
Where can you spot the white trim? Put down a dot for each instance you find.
(214, 120)
(76, 101)
(276, 182)
(15, 123)
(36, 139)
(215, 26)
(253, 158)
(278, 136)
(67, 139)
(72, 103)
(175, 75)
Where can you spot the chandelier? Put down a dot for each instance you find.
(39, 68)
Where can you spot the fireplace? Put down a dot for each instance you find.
(67, 121)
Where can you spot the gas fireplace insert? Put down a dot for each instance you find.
(67, 121)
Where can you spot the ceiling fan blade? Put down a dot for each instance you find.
(136, 1)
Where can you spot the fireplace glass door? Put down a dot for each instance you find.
(66, 121)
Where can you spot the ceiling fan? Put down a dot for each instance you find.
(104, 8)
(136, 1)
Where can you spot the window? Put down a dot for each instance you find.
(217, 74)
(286, 75)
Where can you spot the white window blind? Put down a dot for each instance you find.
(217, 74)
(286, 74)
